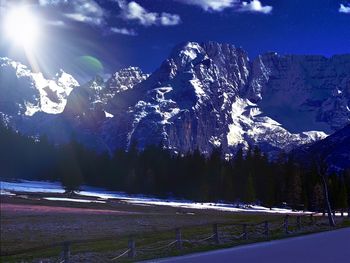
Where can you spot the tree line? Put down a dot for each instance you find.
(249, 177)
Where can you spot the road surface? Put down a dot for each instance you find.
(326, 247)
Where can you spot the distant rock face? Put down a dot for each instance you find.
(303, 92)
(203, 96)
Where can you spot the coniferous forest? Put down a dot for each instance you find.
(249, 177)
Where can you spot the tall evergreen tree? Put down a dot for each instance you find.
(250, 190)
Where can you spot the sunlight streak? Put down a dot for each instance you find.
(22, 28)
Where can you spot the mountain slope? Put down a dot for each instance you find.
(335, 150)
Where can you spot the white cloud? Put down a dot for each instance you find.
(255, 6)
(344, 9)
(123, 31)
(79, 17)
(211, 5)
(85, 11)
(167, 19)
(134, 11)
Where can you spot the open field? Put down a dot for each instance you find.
(100, 231)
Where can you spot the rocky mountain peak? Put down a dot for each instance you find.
(27, 92)
(186, 52)
(126, 79)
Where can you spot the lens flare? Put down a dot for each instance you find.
(90, 64)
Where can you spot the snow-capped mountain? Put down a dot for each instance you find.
(203, 96)
(24, 93)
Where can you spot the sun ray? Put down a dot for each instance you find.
(22, 29)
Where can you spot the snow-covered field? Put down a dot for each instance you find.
(102, 195)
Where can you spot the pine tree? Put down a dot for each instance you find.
(343, 197)
(294, 187)
(250, 190)
(317, 201)
(70, 169)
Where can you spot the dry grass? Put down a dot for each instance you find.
(101, 236)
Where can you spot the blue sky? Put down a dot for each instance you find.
(120, 33)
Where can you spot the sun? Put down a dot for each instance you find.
(22, 27)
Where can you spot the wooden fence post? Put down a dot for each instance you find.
(66, 252)
(348, 212)
(132, 250)
(334, 213)
(216, 233)
(245, 234)
(178, 239)
(267, 229)
(342, 212)
(299, 223)
(286, 225)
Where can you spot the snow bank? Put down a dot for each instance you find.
(7, 188)
(31, 187)
(73, 200)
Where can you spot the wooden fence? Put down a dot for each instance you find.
(221, 234)
(225, 233)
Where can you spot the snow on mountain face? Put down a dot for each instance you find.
(53, 93)
(26, 93)
(251, 127)
(125, 79)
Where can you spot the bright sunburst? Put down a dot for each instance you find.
(22, 27)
